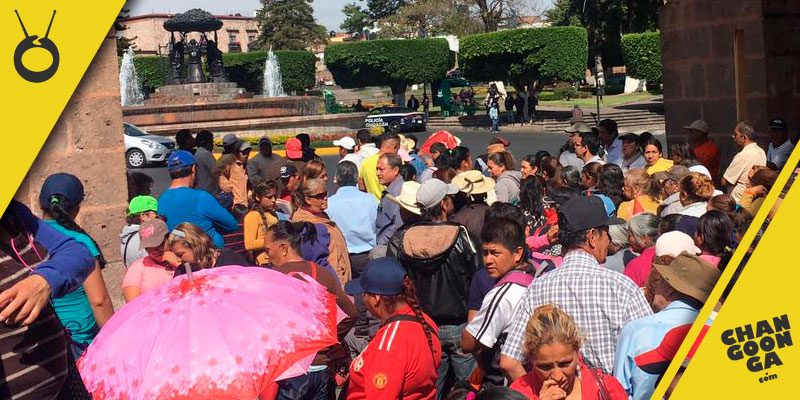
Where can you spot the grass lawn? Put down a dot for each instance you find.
(608, 101)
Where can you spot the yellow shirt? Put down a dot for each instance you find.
(662, 165)
(254, 234)
(628, 209)
(369, 174)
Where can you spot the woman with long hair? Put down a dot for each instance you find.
(642, 191)
(611, 183)
(194, 247)
(261, 216)
(501, 167)
(553, 346)
(86, 309)
(311, 201)
(404, 363)
(590, 183)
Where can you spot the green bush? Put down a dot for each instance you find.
(642, 55)
(564, 91)
(523, 56)
(246, 69)
(395, 63)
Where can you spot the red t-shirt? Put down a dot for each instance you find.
(708, 155)
(589, 389)
(639, 268)
(397, 363)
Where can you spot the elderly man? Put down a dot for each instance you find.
(388, 174)
(780, 147)
(600, 300)
(368, 177)
(355, 213)
(685, 286)
(736, 176)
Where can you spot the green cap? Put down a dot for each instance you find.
(140, 204)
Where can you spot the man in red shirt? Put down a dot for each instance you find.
(705, 150)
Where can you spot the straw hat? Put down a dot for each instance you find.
(406, 143)
(690, 275)
(473, 182)
(408, 197)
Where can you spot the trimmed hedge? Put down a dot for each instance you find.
(246, 69)
(642, 55)
(526, 55)
(388, 62)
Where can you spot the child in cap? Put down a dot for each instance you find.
(140, 209)
(154, 269)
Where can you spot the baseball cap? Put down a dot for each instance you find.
(433, 191)
(244, 145)
(140, 204)
(294, 149)
(229, 140)
(699, 125)
(408, 197)
(287, 171)
(690, 275)
(152, 233)
(473, 182)
(581, 127)
(585, 212)
(675, 173)
(179, 159)
(778, 124)
(675, 242)
(630, 137)
(700, 169)
(657, 361)
(66, 185)
(381, 276)
(346, 142)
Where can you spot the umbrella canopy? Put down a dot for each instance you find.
(194, 20)
(445, 137)
(223, 333)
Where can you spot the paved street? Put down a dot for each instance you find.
(522, 143)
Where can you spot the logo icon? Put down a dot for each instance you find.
(29, 43)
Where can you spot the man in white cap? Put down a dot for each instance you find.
(568, 156)
(705, 150)
(441, 258)
(347, 150)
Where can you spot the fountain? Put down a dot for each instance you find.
(273, 82)
(130, 89)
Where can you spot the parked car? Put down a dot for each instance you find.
(142, 148)
(396, 119)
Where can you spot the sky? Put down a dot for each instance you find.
(327, 12)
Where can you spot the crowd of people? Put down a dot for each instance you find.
(460, 274)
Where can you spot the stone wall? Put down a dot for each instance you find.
(697, 39)
(87, 142)
(147, 32)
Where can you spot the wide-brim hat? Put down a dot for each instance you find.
(690, 275)
(408, 197)
(473, 182)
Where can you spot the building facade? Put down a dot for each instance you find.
(149, 37)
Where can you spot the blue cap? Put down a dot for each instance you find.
(66, 185)
(180, 159)
(381, 276)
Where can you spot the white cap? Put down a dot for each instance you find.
(347, 142)
(674, 243)
(701, 169)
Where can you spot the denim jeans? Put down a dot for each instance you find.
(461, 363)
(495, 124)
(311, 386)
(510, 117)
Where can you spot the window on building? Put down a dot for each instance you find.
(232, 36)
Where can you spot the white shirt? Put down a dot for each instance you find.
(737, 172)
(366, 151)
(780, 155)
(614, 153)
(694, 209)
(637, 163)
(596, 159)
(496, 313)
(569, 158)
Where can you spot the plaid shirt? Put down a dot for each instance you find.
(600, 301)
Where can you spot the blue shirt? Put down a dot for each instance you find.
(642, 335)
(389, 219)
(354, 212)
(198, 207)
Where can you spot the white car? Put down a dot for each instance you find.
(142, 148)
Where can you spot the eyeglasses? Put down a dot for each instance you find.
(318, 196)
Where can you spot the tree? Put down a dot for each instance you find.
(642, 54)
(396, 63)
(380, 9)
(288, 25)
(356, 19)
(606, 21)
(122, 42)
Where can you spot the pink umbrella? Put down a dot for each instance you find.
(221, 333)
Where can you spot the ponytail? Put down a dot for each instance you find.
(61, 215)
(410, 296)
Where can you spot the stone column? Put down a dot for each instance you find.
(87, 142)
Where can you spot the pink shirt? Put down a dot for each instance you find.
(146, 274)
(639, 268)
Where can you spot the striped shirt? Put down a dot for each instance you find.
(600, 301)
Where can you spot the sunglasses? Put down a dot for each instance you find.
(318, 196)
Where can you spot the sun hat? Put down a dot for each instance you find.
(675, 242)
(66, 185)
(578, 127)
(152, 233)
(346, 142)
(140, 204)
(699, 125)
(473, 182)
(381, 276)
(433, 191)
(408, 197)
(690, 275)
(294, 148)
